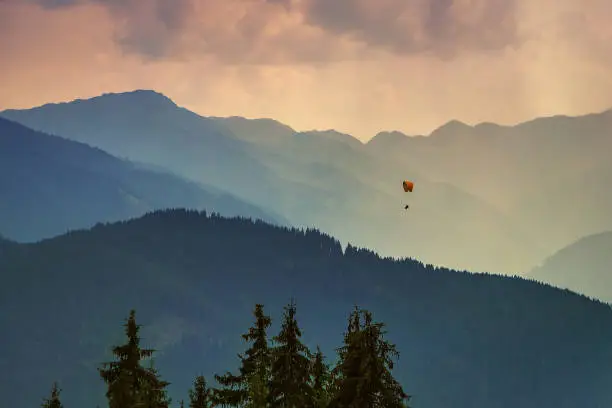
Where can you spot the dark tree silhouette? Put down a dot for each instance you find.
(258, 391)
(364, 370)
(234, 389)
(54, 399)
(290, 375)
(348, 371)
(320, 380)
(200, 396)
(154, 393)
(129, 383)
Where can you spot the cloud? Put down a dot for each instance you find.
(276, 58)
(150, 28)
(273, 31)
(53, 4)
(441, 27)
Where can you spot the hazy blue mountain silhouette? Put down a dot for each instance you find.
(148, 127)
(259, 131)
(49, 185)
(467, 340)
(319, 178)
(584, 266)
(550, 174)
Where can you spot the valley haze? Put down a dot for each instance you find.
(487, 198)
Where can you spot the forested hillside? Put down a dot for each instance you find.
(465, 340)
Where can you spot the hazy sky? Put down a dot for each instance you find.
(359, 66)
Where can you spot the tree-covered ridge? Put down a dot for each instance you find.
(285, 374)
(467, 340)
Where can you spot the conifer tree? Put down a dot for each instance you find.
(234, 390)
(320, 380)
(130, 385)
(154, 394)
(258, 390)
(54, 399)
(290, 375)
(347, 373)
(200, 396)
(363, 373)
(384, 388)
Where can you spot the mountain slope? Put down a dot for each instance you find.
(584, 267)
(548, 174)
(466, 340)
(148, 127)
(49, 185)
(258, 131)
(321, 179)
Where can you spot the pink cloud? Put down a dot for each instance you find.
(276, 58)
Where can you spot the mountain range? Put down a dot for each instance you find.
(49, 185)
(466, 340)
(90, 227)
(549, 174)
(585, 267)
(487, 197)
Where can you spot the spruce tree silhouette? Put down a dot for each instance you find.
(54, 399)
(364, 378)
(290, 375)
(320, 380)
(129, 383)
(200, 396)
(234, 389)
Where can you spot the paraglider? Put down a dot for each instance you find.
(408, 187)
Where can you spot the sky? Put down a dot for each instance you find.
(357, 66)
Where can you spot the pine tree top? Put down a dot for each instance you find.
(200, 396)
(54, 399)
(290, 374)
(256, 359)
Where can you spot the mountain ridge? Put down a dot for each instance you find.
(584, 266)
(52, 184)
(452, 123)
(486, 192)
(480, 335)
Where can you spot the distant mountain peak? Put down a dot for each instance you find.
(333, 135)
(252, 120)
(453, 127)
(391, 133)
(330, 134)
(582, 266)
(384, 137)
(487, 125)
(139, 95)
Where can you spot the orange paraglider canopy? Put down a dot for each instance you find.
(408, 185)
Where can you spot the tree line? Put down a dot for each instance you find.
(281, 373)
